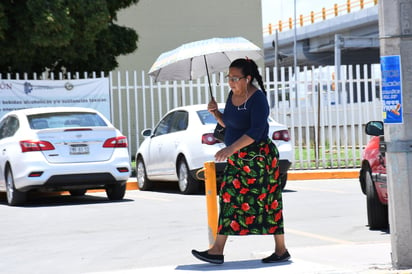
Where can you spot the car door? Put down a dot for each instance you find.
(158, 141)
(163, 143)
(175, 137)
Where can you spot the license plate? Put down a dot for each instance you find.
(79, 149)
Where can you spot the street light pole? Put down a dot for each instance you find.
(395, 23)
(295, 63)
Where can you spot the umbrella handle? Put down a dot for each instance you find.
(208, 78)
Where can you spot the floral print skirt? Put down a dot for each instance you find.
(250, 198)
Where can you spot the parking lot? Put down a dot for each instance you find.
(324, 221)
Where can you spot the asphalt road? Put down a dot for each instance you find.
(64, 234)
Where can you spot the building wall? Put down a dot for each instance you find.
(163, 25)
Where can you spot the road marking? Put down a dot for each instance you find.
(317, 236)
(316, 189)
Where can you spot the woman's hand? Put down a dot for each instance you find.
(223, 154)
(226, 152)
(212, 106)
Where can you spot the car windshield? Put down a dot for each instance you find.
(65, 120)
(206, 117)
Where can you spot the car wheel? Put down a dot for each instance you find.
(187, 184)
(377, 212)
(78, 192)
(283, 177)
(14, 196)
(142, 182)
(116, 191)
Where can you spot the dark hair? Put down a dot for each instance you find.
(249, 67)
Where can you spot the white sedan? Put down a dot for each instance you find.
(61, 148)
(183, 141)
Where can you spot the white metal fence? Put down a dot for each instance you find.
(324, 110)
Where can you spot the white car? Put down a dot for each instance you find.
(183, 141)
(61, 148)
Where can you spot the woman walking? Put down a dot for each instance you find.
(250, 198)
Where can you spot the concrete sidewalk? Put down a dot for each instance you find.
(373, 258)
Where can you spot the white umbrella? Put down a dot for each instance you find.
(197, 59)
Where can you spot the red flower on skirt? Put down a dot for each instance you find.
(246, 169)
(235, 226)
(274, 205)
(277, 174)
(262, 196)
(242, 154)
(267, 149)
(244, 232)
(226, 197)
(273, 229)
(245, 207)
(278, 216)
(274, 162)
(236, 183)
(250, 220)
(251, 181)
(273, 188)
(244, 190)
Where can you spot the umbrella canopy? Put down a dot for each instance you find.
(197, 59)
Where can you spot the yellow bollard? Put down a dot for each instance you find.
(211, 200)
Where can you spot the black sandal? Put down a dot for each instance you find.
(210, 258)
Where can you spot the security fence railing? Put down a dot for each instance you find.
(324, 114)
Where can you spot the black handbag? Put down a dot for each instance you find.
(219, 132)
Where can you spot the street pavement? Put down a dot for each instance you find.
(344, 258)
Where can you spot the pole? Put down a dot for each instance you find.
(211, 200)
(295, 63)
(276, 51)
(395, 21)
(338, 63)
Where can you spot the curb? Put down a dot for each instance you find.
(293, 175)
(323, 174)
(132, 184)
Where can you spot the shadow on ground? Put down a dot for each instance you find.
(234, 265)
(57, 199)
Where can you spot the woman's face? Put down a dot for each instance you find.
(237, 81)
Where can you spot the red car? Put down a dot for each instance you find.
(372, 177)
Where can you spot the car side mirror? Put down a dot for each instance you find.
(146, 132)
(374, 128)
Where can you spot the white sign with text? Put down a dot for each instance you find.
(92, 93)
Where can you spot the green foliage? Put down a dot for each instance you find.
(328, 157)
(3, 22)
(63, 35)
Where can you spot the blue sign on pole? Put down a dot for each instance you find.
(392, 89)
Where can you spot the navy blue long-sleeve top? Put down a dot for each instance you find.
(250, 118)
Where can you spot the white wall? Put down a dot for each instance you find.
(163, 25)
